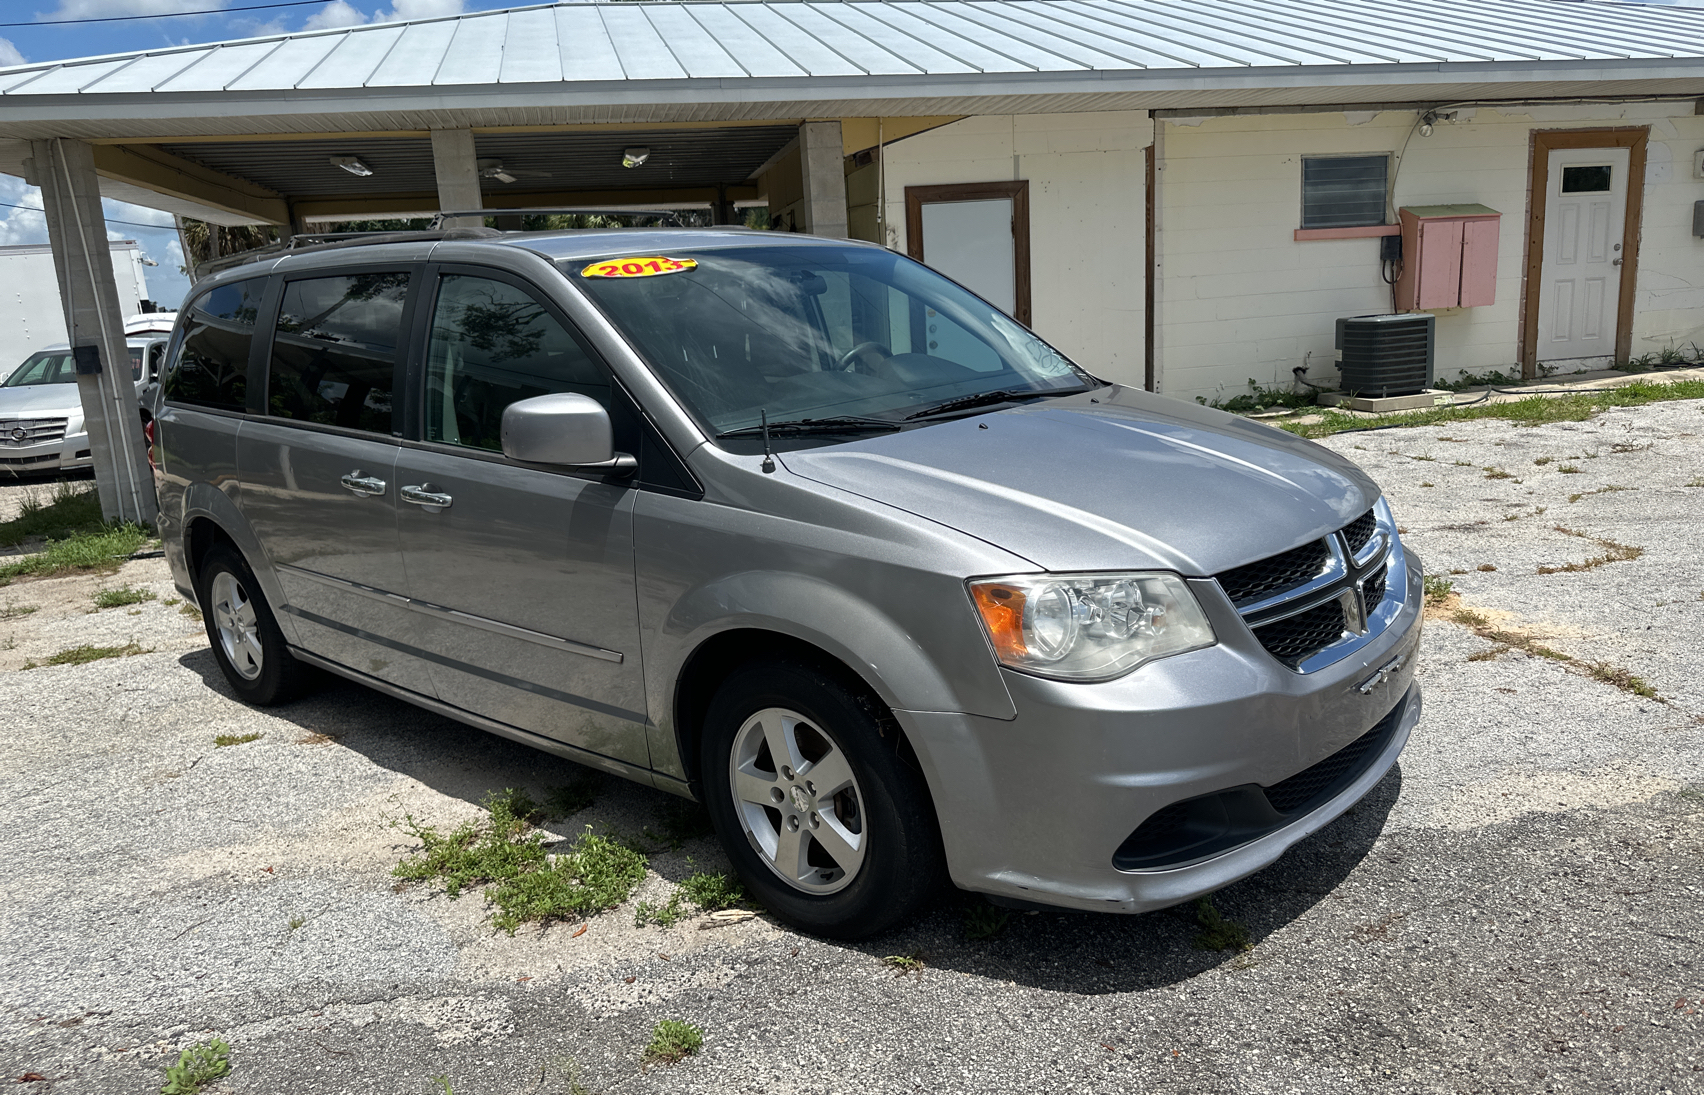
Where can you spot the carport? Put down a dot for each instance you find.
(659, 104)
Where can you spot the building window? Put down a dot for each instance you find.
(1344, 191)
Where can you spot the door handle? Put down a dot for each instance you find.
(363, 484)
(420, 496)
(1615, 262)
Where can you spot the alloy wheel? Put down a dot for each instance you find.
(238, 627)
(798, 801)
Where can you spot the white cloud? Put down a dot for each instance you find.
(341, 13)
(338, 13)
(96, 9)
(9, 54)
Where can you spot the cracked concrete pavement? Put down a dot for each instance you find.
(1515, 908)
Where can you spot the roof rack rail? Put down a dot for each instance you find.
(318, 241)
(669, 217)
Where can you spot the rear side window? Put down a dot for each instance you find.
(334, 353)
(212, 366)
(493, 344)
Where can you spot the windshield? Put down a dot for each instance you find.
(48, 367)
(817, 332)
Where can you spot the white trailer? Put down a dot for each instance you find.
(30, 313)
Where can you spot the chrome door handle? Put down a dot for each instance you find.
(420, 496)
(363, 484)
(1615, 262)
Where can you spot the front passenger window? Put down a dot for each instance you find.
(493, 345)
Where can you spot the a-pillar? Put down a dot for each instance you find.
(82, 260)
(822, 160)
(457, 166)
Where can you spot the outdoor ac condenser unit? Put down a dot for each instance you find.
(1385, 355)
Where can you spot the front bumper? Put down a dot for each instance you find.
(1035, 809)
(57, 455)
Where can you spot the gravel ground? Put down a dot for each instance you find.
(1516, 908)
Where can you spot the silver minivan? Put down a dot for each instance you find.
(801, 529)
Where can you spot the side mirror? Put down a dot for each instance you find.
(567, 429)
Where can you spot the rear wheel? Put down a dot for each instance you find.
(247, 644)
(824, 819)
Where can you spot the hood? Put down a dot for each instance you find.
(1107, 480)
(42, 400)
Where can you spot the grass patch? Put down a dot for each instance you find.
(67, 509)
(198, 1066)
(123, 595)
(709, 892)
(191, 611)
(902, 964)
(1611, 489)
(1487, 568)
(1438, 589)
(1613, 553)
(1620, 678)
(1217, 933)
(1568, 469)
(986, 921)
(525, 882)
(100, 551)
(1258, 399)
(12, 612)
(1505, 639)
(1543, 460)
(1533, 411)
(224, 740)
(83, 655)
(672, 1041)
(1498, 473)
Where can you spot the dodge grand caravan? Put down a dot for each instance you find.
(799, 528)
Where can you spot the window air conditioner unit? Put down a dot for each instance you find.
(1380, 356)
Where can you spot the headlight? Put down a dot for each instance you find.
(1086, 627)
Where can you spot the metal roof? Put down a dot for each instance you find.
(729, 59)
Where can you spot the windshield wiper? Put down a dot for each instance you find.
(984, 399)
(840, 424)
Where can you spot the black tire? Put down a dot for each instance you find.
(902, 864)
(278, 677)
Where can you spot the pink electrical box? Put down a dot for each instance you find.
(1449, 256)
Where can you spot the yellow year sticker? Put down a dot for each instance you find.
(644, 266)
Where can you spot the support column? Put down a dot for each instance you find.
(76, 229)
(822, 160)
(457, 167)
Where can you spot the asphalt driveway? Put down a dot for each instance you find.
(1518, 907)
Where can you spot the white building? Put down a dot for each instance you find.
(1182, 194)
(30, 312)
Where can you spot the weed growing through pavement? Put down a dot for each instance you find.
(224, 740)
(1620, 678)
(1543, 460)
(191, 611)
(198, 1066)
(1426, 484)
(1612, 488)
(82, 655)
(100, 552)
(1696, 481)
(571, 798)
(1464, 463)
(986, 921)
(1504, 639)
(123, 595)
(1217, 933)
(1487, 567)
(902, 964)
(1498, 473)
(1437, 589)
(444, 1084)
(12, 612)
(672, 1041)
(297, 921)
(525, 882)
(709, 892)
(1613, 553)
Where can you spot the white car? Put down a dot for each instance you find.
(41, 413)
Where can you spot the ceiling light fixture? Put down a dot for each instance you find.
(633, 157)
(352, 164)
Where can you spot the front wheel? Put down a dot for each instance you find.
(247, 644)
(824, 819)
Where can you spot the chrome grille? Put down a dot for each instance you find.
(31, 431)
(1308, 599)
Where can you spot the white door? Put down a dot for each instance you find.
(1584, 215)
(971, 242)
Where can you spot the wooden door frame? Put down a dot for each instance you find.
(1544, 142)
(916, 197)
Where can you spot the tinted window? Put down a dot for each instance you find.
(493, 344)
(1343, 191)
(52, 367)
(212, 367)
(334, 353)
(1586, 180)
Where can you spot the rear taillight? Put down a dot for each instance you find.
(148, 436)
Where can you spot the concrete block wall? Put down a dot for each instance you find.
(1087, 212)
(1241, 298)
